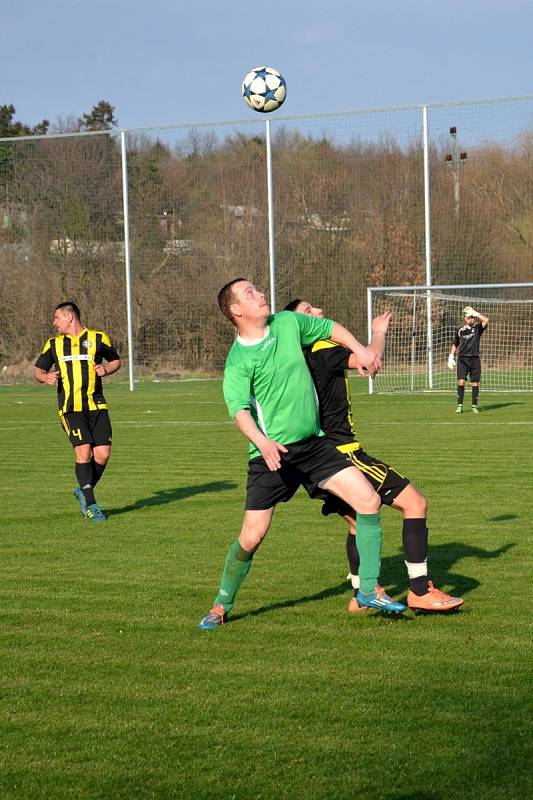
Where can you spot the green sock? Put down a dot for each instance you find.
(369, 546)
(236, 568)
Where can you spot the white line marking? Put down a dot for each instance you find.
(134, 423)
(16, 426)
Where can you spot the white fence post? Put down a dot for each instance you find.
(427, 227)
(127, 260)
(271, 254)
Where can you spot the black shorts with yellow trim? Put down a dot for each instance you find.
(306, 463)
(87, 427)
(387, 481)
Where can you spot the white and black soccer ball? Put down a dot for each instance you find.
(264, 89)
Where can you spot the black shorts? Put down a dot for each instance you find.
(387, 482)
(469, 366)
(307, 463)
(87, 427)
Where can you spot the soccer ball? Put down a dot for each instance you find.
(264, 89)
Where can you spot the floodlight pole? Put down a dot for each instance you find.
(127, 259)
(427, 225)
(456, 161)
(271, 255)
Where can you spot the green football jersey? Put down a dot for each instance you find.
(272, 381)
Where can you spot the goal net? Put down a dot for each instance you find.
(416, 353)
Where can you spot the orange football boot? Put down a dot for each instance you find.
(433, 600)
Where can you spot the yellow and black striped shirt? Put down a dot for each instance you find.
(328, 362)
(78, 387)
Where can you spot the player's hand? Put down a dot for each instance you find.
(380, 324)
(368, 363)
(100, 370)
(51, 377)
(271, 453)
(452, 363)
(471, 312)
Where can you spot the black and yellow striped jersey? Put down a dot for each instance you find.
(328, 362)
(79, 388)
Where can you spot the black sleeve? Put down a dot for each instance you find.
(108, 352)
(456, 340)
(45, 360)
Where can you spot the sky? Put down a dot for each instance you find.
(165, 62)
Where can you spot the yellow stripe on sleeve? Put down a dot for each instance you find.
(91, 336)
(323, 344)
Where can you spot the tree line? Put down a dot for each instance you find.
(347, 215)
(100, 117)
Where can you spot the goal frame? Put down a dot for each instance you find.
(429, 289)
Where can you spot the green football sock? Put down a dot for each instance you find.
(236, 568)
(369, 546)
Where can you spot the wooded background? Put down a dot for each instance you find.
(349, 213)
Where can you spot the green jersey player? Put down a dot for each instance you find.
(270, 394)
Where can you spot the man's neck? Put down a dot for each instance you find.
(75, 330)
(253, 330)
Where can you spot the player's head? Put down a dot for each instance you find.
(240, 301)
(303, 307)
(65, 314)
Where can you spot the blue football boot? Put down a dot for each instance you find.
(380, 600)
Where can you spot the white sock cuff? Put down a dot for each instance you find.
(417, 570)
(354, 580)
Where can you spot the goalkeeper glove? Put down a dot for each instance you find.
(451, 361)
(470, 312)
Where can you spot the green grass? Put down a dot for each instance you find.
(108, 689)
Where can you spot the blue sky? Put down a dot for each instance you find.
(163, 62)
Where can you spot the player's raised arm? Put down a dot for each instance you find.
(364, 357)
(471, 312)
(484, 320)
(380, 326)
(376, 344)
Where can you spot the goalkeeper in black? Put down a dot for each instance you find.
(465, 355)
(73, 361)
(328, 363)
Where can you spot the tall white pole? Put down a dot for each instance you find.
(427, 225)
(272, 259)
(369, 330)
(127, 259)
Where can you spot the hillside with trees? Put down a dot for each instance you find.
(348, 215)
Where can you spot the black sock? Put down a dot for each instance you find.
(419, 586)
(353, 555)
(98, 470)
(415, 545)
(460, 394)
(475, 395)
(84, 474)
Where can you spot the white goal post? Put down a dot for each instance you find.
(422, 330)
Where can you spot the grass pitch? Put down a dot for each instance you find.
(108, 689)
